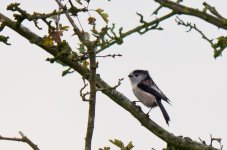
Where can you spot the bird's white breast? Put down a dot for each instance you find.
(146, 98)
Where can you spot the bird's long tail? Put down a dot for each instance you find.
(165, 114)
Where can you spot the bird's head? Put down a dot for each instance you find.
(137, 76)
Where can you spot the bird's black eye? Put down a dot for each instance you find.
(136, 75)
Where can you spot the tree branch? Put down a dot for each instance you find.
(137, 30)
(119, 98)
(181, 9)
(92, 99)
(160, 7)
(22, 139)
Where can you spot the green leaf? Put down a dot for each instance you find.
(103, 14)
(118, 143)
(220, 46)
(129, 146)
(105, 148)
(64, 28)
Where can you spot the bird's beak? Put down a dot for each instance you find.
(129, 75)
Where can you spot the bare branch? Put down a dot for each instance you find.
(136, 30)
(181, 22)
(111, 55)
(22, 139)
(181, 9)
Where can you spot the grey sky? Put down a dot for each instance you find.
(36, 100)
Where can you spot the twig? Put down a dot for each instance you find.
(202, 141)
(118, 84)
(218, 47)
(181, 22)
(83, 95)
(76, 29)
(212, 10)
(111, 55)
(216, 139)
(75, 13)
(136, 30)
(111, 88)
(212, 140)
(157, 10)
(22, 139)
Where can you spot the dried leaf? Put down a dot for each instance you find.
(91, 20)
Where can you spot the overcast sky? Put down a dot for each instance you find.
(46, 107)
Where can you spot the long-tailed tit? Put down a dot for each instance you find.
(147, 91)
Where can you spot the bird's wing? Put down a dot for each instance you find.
(152, 89)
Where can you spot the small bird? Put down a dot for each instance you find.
(147, 91)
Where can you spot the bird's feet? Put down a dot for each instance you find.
(147, 115)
